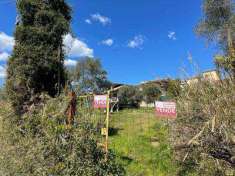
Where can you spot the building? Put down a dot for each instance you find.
(211, 76)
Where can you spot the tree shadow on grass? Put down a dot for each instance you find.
(114, 131)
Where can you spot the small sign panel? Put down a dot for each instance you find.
(165, 109)
(103, 131)
(100, 101)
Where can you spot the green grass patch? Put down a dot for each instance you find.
(141, 143)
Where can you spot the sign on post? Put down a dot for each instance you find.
(165, 109)
(103, 131)
(100, 101)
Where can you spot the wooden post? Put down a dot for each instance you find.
(71, 108)
(59, 74)
(231, 50)
(107, 127)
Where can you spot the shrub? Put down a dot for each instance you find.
(39, 143)
(173, 88)
(151, 93)
(129, 96)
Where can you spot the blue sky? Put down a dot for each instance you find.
(135, 40)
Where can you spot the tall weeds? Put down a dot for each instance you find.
(204, 132)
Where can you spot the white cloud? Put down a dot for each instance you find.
(4, 56)
(76, 48)
(107, 42)
(3, 73)
(70, 62)
(136, 42)
(6, 42)
(88, 21)
(73, 46)
(102, 19)
(172, 35)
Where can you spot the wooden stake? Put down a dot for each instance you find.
(107, 127)
(71, 108)
(59, 60)
(231, 49)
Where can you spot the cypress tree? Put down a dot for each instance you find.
(36, 64)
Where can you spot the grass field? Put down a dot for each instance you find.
(141, 143)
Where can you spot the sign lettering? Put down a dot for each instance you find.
(100, 101)
(165, 109)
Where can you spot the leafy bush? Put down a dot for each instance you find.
(129, 96)
(39, 143)
(173, 88)
(151, 93)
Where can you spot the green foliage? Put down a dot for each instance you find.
(218, 15)
(36, 64)
(151, 93)
(91, 76)
(3, 95)
(129, 96)
(224, 65)
(40, 143)
(218, 24)
(174, 88)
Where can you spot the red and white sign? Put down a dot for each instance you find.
(165, 109)
(100, 101)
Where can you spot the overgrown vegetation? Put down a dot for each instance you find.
(206, 108)
(207, 121)
(40, 143)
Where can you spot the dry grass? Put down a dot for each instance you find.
(205, 128)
